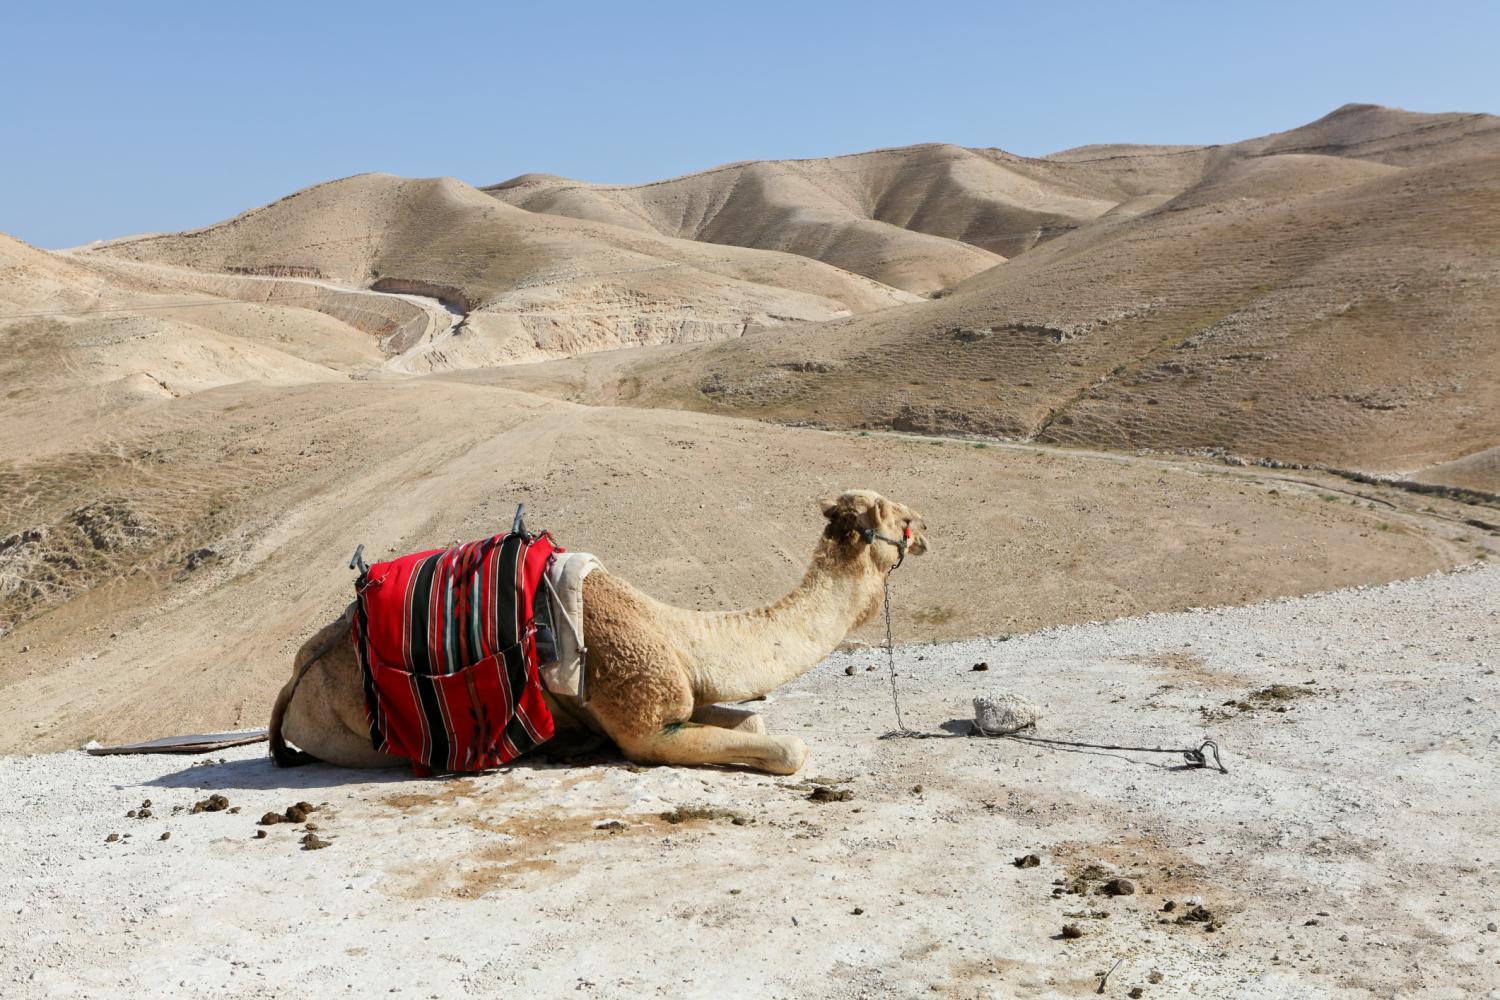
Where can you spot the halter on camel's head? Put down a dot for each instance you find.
(865, 517)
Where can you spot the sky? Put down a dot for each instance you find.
(121, 118)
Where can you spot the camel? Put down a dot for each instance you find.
(658, 675)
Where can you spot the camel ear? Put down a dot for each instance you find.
(829, 507)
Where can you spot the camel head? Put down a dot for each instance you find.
(862, 521)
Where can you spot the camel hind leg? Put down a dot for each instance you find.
(322, 709)
(725, 717)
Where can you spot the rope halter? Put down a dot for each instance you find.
(870, 535)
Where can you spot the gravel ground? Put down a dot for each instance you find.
(1350, 851)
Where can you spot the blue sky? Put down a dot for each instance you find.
(128, 117)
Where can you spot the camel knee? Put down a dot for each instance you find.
(791, 758)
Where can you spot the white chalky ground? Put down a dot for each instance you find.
(1352, 850)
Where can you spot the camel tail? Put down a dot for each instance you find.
(283, 755)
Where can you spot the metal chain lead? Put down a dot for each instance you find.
(890, 653)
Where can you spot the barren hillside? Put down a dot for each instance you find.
(530, 286)
(921, 218)
(1328, 295)
(83, 342)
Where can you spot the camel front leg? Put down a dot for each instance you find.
(690, 743)
(728, 718)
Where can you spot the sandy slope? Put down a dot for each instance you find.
(1348, 853)
(169, 562)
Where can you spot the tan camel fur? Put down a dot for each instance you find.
(657, 674)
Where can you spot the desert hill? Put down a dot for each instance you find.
(921, 218)
(528, 286)
(1326, 295)
(82, 341)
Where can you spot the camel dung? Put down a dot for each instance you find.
(1003, 713)
(1118, 887)
(825, 794)
(850, 670)
(1027, 861)
(1072, 931)
(271, 819)
(1197, 914)
(685, 814)
(260, 835)
(313, 842)
(112, 838)
(981, 666)
(214, 803)
(165, 835)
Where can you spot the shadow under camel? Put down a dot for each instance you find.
(262, 774)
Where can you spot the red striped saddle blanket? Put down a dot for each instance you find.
(446, 641)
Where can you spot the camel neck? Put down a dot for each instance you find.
(745, 654)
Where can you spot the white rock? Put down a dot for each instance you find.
(1003, 713)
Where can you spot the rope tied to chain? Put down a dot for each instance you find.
(1194, 756)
